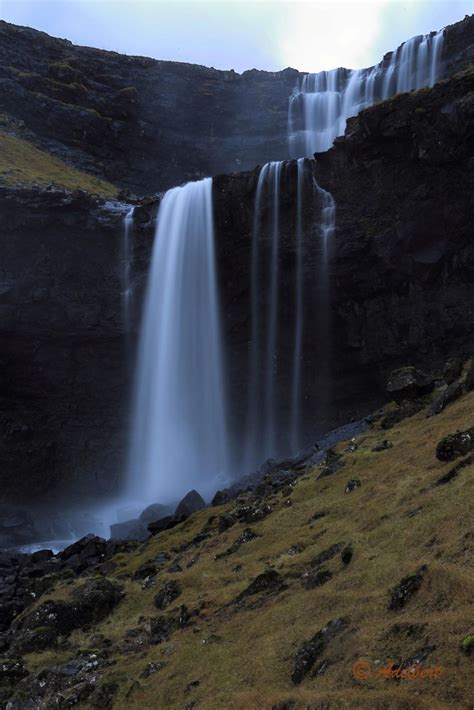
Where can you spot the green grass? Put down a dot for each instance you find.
(21, 163)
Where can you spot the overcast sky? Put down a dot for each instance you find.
(234, 34)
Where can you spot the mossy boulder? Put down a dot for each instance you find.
(453, 445)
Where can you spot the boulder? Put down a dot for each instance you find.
(191, 503)
(316, 578)
(268, 581)
(153, 512)
(408, 383)
(453, 369)
(130, 530)
(453, 445)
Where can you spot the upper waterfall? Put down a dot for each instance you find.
(179, 437)
(321, 103)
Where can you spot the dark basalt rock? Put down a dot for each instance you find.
(225, 522)
(270, 581)
(191, 503)
(327, 555)
(404, 411)
(454, 445)
(469, 382)
(450, 394)
(153, 512)
(311, 650)
(167, 594)
(401, 594)
(134, 529)
(89, 604)
(408, 383)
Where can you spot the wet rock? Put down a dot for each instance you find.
(153, 512)
(333, 461)
(269, 581)
(454, 472)
(327, 555)
(311, 650)
(450, 394)
(347, 554)
(316, 578)
(246, 536)
(401, 594)
(352, 485)
(166, 523)
(453, 445)
(167, 594)
(191, 503)
(383, 446)
(408, 383)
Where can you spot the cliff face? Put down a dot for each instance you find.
(149, 125)
(400, 273)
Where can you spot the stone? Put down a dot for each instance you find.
(311, 650)
(453, 445)
(408, 383)
(153, 512)
(450, 394)
(401, 594)
(225, 521)
(167, 594)
(269, 581)
(220, 498)
(134, 529)
(191, 503)
(406, 409)
(246, 536)
(327, 555)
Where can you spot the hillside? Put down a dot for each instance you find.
(216, 612)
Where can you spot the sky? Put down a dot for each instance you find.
(240, 35)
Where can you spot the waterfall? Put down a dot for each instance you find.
(179, 437)
(126, 270)
(321, 103)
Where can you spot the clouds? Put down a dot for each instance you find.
(263, 34)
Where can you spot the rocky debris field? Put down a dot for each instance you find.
(268, 598)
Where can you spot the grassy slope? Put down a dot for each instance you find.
(248, 666)
(22, 163)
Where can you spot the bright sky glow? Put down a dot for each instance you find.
(264, 34)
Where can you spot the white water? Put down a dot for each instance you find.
(127, 252)
(179, 437)
(321, 103)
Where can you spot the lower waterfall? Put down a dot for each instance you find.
(179, 433)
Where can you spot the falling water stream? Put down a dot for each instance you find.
(179, 436)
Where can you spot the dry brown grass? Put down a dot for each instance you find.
(250, 664)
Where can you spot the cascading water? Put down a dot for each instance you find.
(126, 260)
(179, 437)
(321, 104)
